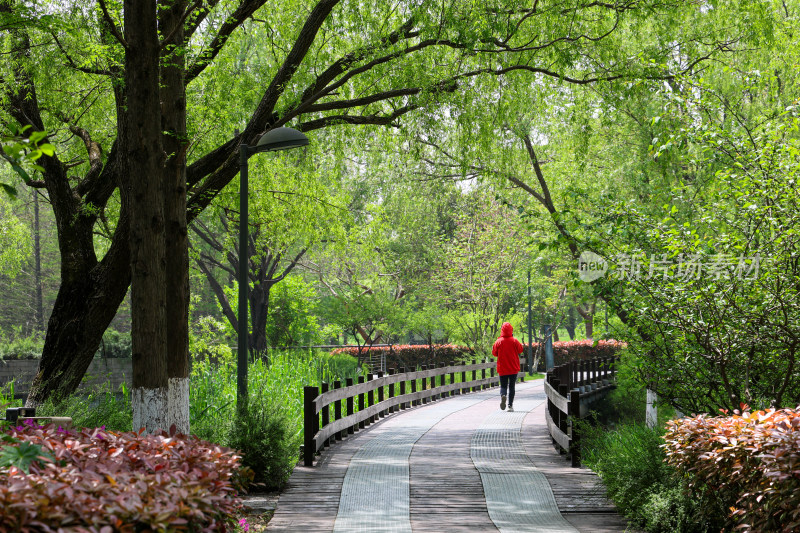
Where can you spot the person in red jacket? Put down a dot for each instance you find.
(507, 349)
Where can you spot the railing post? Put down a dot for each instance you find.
(575, 438)
(555, 413)
(424, 383)
(371, 399)
(350, 429)
(413, 390)
(361, 405)
(433, 383)
(442, 381)
(392, 372)
(463, 380)
(474, 374)
(337, 409)
(402, 371)
(563, 420)
(310, 422)
(326, 411)
(382, 412)
(483, 376)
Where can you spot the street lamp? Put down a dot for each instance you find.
(272, 141)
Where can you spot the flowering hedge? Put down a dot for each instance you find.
(409, 356)
(102, 481)
(749, 460)
(566, 351)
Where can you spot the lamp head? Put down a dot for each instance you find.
(280, 139)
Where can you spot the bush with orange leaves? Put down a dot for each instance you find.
(751, 461)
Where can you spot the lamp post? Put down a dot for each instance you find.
(272, 141)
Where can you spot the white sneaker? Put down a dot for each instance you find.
(510, 409)
(503, 402)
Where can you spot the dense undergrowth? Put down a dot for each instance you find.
(630, 459)
(268, 433)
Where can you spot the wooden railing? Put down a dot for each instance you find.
(570, 389)
(332, 413)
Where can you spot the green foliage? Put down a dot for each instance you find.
(23, 146)
(267, 439)
(630, 461)
(20, 454)
(291, 320)
(14, 241)
(19, 346)
(114, 344)
(99, 407)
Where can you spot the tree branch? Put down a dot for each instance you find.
(112, 25)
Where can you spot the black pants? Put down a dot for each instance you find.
(507, 384)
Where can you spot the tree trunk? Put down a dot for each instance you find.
(142, 193)
(173, 122)
(570, 325)
(85, 305)
(38, 313)
(259, 311)
(588, 317)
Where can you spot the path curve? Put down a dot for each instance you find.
(456, 465)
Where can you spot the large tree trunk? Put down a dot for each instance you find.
(173, 117)
(86, 303)
(143, 194)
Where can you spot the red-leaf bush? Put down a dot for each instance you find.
(103, 481)
(566, 351)
(409, 356)
(749, 460)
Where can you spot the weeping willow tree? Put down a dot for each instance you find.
(147, 102)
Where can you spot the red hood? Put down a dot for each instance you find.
(507, 330)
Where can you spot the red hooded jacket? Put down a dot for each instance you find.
(507, 350)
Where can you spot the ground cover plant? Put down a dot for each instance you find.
(52, 478)
(749, 459)
(630, 459)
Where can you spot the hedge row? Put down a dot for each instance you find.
(750, 461)
(566, 351)
(97, 481)
(409, 356)
(413, 356)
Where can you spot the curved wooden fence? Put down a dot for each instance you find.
(571, 388)
(331, 413)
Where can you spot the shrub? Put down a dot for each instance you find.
(566, 351)
(114, 344)
(263, 435)
(119, 481)
(750, 460)
(22, 347)
(630, 461)
(409, 356)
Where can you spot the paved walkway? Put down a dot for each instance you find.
(459, 464)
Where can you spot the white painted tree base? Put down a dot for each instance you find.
(178, 406)
(158, 409)
(149, 409)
